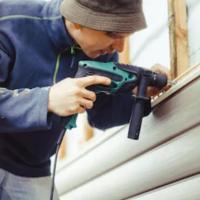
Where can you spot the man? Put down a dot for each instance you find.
(39, 52)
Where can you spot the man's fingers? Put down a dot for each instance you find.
(158, 68)
(94, 80)
(88, 95)
(87, 104)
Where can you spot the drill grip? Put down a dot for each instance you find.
(136, 117)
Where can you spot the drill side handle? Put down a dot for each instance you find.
(136, 117)
(138, 109)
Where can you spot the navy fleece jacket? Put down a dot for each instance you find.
(34, 54)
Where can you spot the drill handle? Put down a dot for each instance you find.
(136, 118)
(138, 109)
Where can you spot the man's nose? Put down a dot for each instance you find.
(118, 44)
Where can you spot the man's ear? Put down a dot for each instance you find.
(72, 25)
(77, 26)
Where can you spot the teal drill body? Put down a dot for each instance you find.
(124, 78)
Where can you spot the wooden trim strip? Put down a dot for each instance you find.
(178, 37)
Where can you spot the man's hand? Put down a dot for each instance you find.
(152, 91)
(70, 95)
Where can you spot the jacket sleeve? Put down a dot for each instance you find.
(111, 110)
(21, 109)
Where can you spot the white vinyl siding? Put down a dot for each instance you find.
(167, 152)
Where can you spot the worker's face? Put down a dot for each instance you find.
(95, 43)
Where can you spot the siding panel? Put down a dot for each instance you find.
(174, 117)
(187, 189)
(154, 168)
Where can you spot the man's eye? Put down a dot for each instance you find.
(112, 35)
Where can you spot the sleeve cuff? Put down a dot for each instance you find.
(44, 116)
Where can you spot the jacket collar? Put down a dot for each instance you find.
(56, 27)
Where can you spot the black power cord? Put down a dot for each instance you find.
(72, 51)
(55, 163)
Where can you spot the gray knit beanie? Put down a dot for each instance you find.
(123, 16)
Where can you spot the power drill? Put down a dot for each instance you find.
(124, 78)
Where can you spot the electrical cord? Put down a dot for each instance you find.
(55, 163)
(72, 51)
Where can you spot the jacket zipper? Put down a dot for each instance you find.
(72, 51)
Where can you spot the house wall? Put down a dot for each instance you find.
(194, 31)
(151, 45)
(166, 157)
